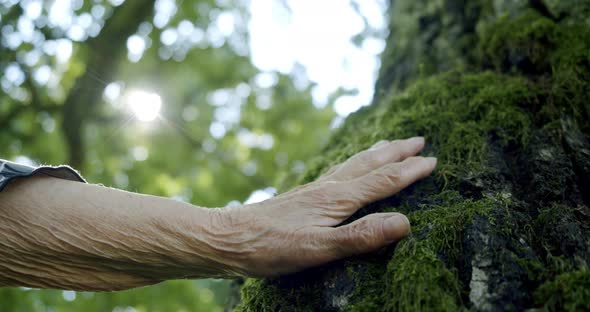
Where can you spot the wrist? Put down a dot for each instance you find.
(194, 242)
(236, 236)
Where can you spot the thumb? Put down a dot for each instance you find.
(369, 233)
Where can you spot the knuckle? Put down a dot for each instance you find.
(331, 193)
(367, 157)
(345, 196)
(395, 174)
(361, 235)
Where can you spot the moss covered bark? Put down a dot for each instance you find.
(501, 91)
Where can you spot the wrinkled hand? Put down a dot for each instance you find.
(295, 230)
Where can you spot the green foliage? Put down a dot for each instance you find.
(173, 295)
(567, 292)
(205, 170)
(201, 81)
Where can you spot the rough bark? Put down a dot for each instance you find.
(500, 90)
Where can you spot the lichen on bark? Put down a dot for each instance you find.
(500, 91)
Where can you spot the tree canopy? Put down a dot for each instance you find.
(82, 82)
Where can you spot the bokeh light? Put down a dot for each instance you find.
(143, 104)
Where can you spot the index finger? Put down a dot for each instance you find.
(376, 157)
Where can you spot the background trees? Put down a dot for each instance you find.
(77, 77)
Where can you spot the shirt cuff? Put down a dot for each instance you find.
(10, 170)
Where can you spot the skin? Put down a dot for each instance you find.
(68, 235)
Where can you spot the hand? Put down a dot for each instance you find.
(295, 230)
(107, 239)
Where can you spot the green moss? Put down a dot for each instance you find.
(368, 294)
(266, 295)
(445, 222)
(420, 281)
(416, 277)
(567, 292)
(524, 41)
(458, 113)
(558, 234)
(559, 53)
(534, 268)
(256, 295)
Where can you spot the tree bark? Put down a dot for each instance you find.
(500, 91)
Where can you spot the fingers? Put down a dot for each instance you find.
(338, 166)
(392, 178)
(379, 144)
(380, 154)
(367, 234)
(342, 198)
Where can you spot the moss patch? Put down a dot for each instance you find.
(434, 285)
(524, 42)
(567, 292)
(428, 257)
(264, 295)
(458, 113)
(555, 54)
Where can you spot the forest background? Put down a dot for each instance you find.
(209, 102)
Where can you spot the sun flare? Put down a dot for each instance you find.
(143, 104)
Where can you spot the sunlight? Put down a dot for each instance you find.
(144, 105)
(285, 33)
(261, 195)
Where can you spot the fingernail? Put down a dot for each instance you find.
(432, 161)
(416, 140)
(396, 227)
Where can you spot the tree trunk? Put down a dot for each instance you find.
(500, 91)
(101, 65)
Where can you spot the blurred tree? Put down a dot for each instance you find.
(76, 76)
(101, 59)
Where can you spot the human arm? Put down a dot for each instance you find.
(57, 233)
(62, 234)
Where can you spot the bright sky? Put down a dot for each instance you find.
(317, 35)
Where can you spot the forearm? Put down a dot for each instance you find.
(62, 234)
